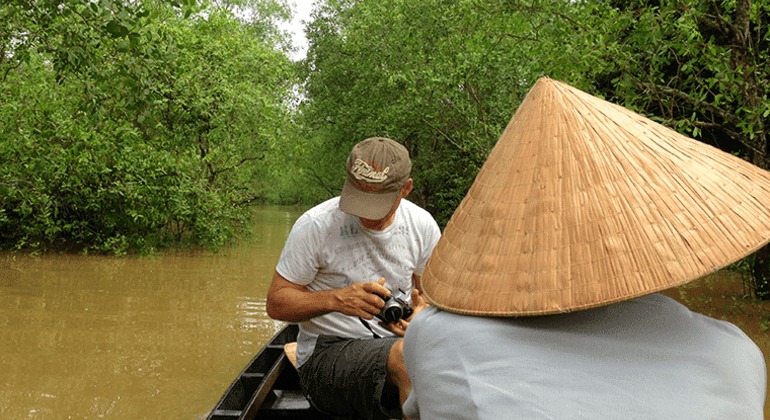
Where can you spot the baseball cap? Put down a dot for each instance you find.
(377, 168)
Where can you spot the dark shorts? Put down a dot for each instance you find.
(346, 377)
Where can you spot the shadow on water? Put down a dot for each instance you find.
(162, 337)
(131, 338)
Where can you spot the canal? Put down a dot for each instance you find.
(91, 337)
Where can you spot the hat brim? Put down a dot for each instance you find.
(370, 206)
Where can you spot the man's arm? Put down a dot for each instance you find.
(418, 302)
(416, 280)
(290, 302)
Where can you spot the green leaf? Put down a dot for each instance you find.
(116, 29)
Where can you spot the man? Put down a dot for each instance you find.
(342, 260)
(542, 285)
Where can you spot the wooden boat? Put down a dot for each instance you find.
(268, 387)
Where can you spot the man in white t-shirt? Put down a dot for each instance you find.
(342, 261)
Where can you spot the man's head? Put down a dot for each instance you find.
(377, 169)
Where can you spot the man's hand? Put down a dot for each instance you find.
(418, 304)
(290, 302)
(364, 300)
(398, 328)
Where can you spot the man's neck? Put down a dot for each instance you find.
(381, 224)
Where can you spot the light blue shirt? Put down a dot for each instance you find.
(647, 358)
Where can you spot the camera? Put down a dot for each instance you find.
(396, 307)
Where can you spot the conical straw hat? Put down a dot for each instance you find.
(583, 203)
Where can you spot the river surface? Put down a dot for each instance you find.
(90, 337)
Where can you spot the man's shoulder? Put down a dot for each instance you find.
(327, 210)
(433, 320)
(320, 218)
(416, 211)
(326, 207)
(411, 205)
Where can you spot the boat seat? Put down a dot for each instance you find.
(291, 352)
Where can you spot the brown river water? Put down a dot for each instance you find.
(92, 337)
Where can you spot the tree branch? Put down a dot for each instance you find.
(696, 103)
(215, 173)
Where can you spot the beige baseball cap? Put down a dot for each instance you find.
(377, 168)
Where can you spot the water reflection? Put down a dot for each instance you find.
(127, 338)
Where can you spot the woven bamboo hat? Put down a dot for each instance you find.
(584, 203)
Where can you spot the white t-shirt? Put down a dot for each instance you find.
(329, 249)
(647, 358)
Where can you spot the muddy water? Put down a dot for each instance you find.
(87, 337)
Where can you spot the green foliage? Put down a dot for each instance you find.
(129, 126)
(700, 67)
(443, 77)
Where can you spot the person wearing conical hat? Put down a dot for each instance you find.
(543, 284)
(342, 261)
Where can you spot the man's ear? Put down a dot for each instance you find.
(407, 188)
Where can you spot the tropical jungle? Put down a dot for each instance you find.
(135, 127)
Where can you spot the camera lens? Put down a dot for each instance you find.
(392, 313)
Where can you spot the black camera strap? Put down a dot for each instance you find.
(369, 327)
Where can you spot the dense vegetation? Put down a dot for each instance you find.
(445, 76)
(128, 124)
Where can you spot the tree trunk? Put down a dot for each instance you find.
(761, 273)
